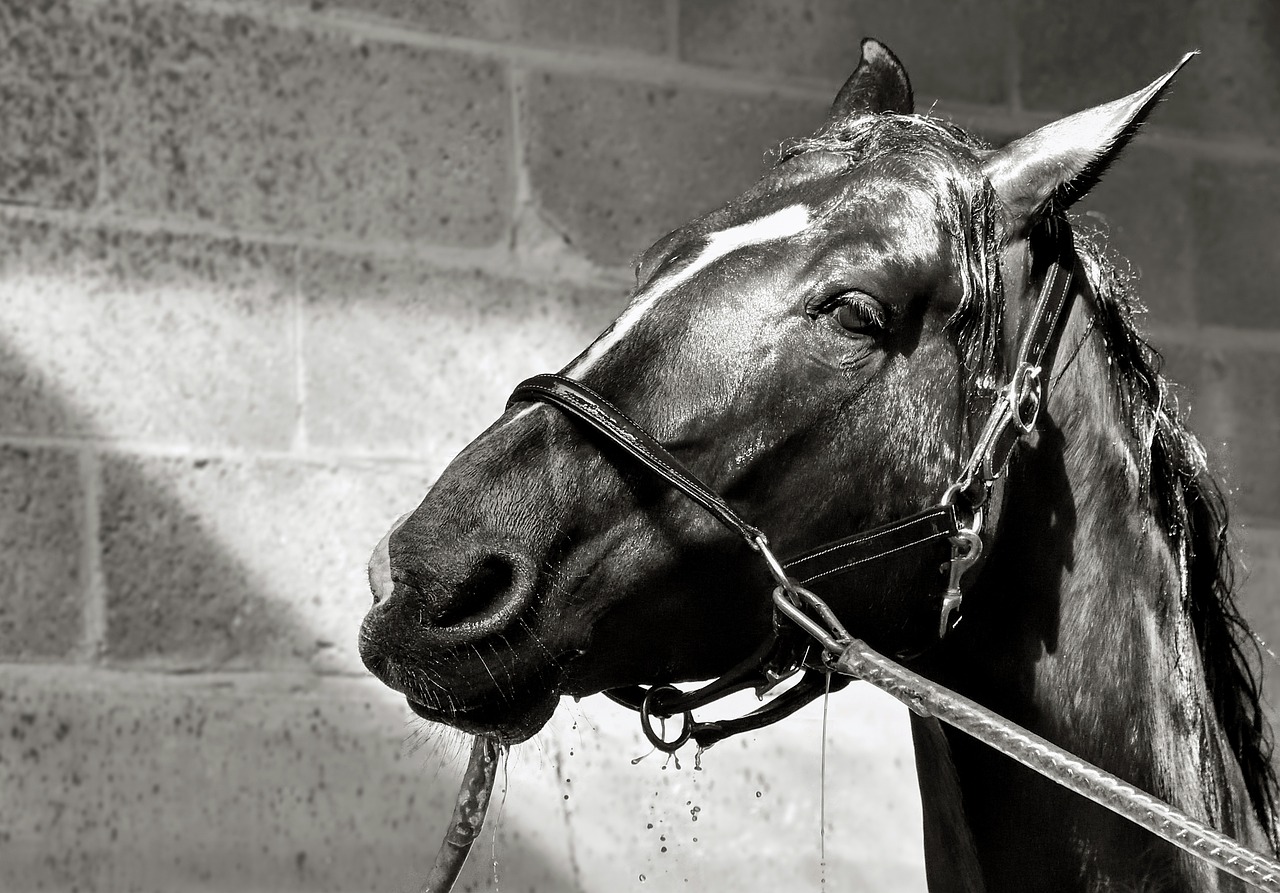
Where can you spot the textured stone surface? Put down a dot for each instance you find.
(160, 338)
(243, 564)
(1235, 218)
(1069, 61)
(405, 359)
(46, 111)
(591, 25)
(230, 120)
(954, 50)
(1141, 205)
(42, 573)
(1259, 555)
(1243, 388)
(121, 781)
(117, 781)
(616, 165)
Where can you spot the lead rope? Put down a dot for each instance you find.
(853, 657)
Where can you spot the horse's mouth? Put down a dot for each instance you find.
(508, 720)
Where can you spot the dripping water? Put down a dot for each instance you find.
(497, 819)
(822, 791)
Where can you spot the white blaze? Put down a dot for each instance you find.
(779, 225)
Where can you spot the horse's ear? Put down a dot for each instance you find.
(878, 84)
(1057, 164)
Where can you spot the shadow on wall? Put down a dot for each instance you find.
(181, 702)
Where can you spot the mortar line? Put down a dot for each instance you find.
(300, 434)
(160, 450)
(282, 679)
(1013, 70)
(522, 187)
(94, 609)
(674, 47)
(491, 259)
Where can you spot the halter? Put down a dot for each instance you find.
(948, 535)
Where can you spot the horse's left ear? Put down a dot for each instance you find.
(1057, 164)
(878, 84)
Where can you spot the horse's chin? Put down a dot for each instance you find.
(508, 721)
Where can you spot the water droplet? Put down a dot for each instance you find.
(641, 757)
(566, 796)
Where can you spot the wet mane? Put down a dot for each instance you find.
(1187, 499)
(1190, 505)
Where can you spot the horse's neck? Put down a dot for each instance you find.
(1077, 630)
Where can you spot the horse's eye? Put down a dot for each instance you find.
(856, 312)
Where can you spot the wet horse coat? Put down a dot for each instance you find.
(816, 350)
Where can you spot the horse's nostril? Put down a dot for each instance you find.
(486, 584)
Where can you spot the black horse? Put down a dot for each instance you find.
(820, 351)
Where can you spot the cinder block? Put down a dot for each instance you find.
(42, 573)
(951, 50)
(123, 781)
(1245, 386)
(587, 24)
(617, 165)
(159, 337)
(46, 108)
(253, 564)
(1235, 84)
(405, 359)
(1235, 215)
(227, 119)
(1081, 54)
(1141, 206)
(1259, 555)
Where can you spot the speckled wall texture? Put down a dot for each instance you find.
(266, 265)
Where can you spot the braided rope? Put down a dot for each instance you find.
(930, 699)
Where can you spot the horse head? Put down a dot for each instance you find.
(813, 351)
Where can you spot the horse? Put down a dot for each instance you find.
(821, 351)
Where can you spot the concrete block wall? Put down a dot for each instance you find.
(266, 266)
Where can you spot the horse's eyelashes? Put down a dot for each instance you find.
(852, 311)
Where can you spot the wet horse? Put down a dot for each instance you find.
(821, 351)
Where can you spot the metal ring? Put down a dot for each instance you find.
(976, 513)
(646, 722)
(1025, 396)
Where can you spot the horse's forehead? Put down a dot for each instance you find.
(869, 201)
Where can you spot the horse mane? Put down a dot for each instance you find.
(1190, 504)
(1187, 498)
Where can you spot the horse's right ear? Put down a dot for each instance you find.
(878, 84)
